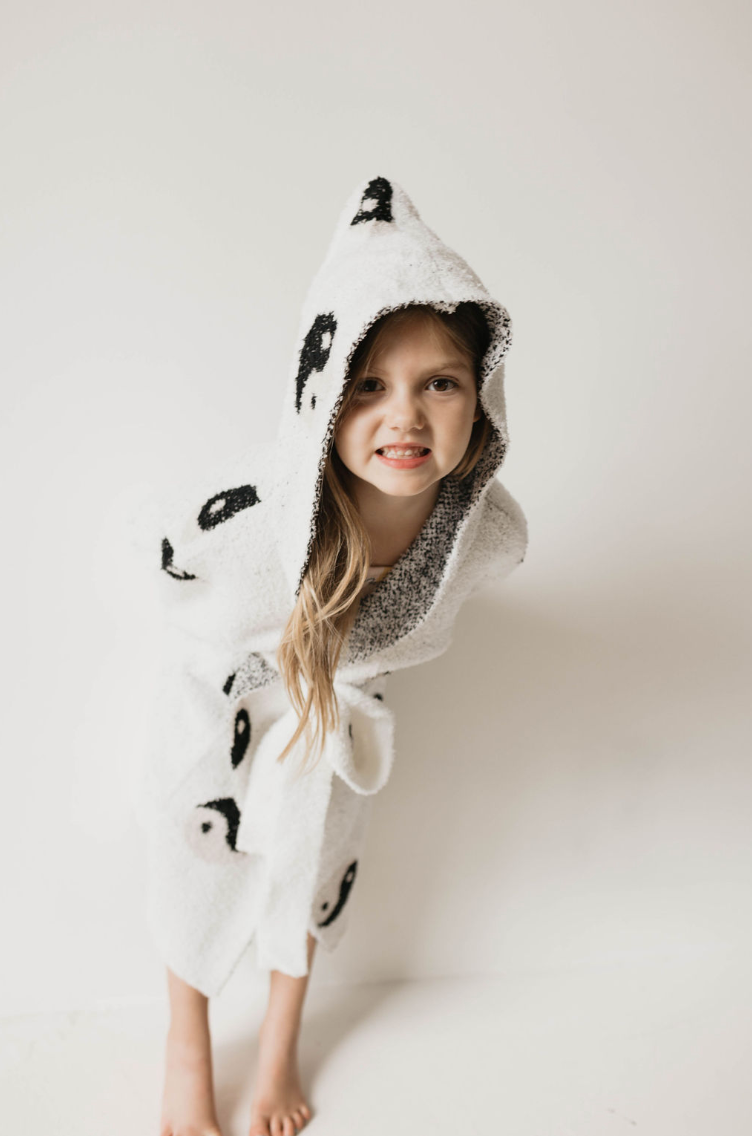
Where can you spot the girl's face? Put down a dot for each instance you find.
(410, 422)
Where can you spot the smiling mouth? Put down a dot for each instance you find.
(403, 451)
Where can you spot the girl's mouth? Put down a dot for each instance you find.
(403, 457)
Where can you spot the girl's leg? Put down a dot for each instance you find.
(188, 1100)
(279, 1107)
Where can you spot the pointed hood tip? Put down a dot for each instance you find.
(375, 179)
(376, 198)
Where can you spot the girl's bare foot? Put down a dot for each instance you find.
(279, 1107)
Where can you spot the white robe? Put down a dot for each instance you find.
(241, 847)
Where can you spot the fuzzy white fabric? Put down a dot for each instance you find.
(242, 849)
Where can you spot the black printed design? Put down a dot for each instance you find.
(222, 506)
(227, 808)
(228, 683)
(167, 555)
(344, 890)
(242, 737)
(314, 353)
(253, 674)
(378, 198)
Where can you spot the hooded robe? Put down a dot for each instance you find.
(243, 850)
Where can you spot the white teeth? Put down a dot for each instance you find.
(397, 452)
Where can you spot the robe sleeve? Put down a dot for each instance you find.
(207, 554)
(502, 541)
(187, 711)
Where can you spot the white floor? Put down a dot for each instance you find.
(663, 1048)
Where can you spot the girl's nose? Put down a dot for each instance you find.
(404, 413)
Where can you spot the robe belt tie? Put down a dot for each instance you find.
(283, 815)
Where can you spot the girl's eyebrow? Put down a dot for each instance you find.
(446, 364)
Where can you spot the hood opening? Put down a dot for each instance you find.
(382, 258)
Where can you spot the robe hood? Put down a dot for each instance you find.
(382, 257)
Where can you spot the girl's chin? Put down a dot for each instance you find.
(395, 482)
(405, 486)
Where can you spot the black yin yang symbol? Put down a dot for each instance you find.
(242, 737)
(168, 553)
(314, 353)
(212, 829)
(344, 890)
(226, 504)
(376, 202)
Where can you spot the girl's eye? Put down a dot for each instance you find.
(364, 388)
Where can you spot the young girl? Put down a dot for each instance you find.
(294, 581)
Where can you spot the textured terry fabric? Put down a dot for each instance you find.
(376, 573)
(243, 850)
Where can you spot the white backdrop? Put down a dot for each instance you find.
(572, 781)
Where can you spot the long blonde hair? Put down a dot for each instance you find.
(328, 600)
